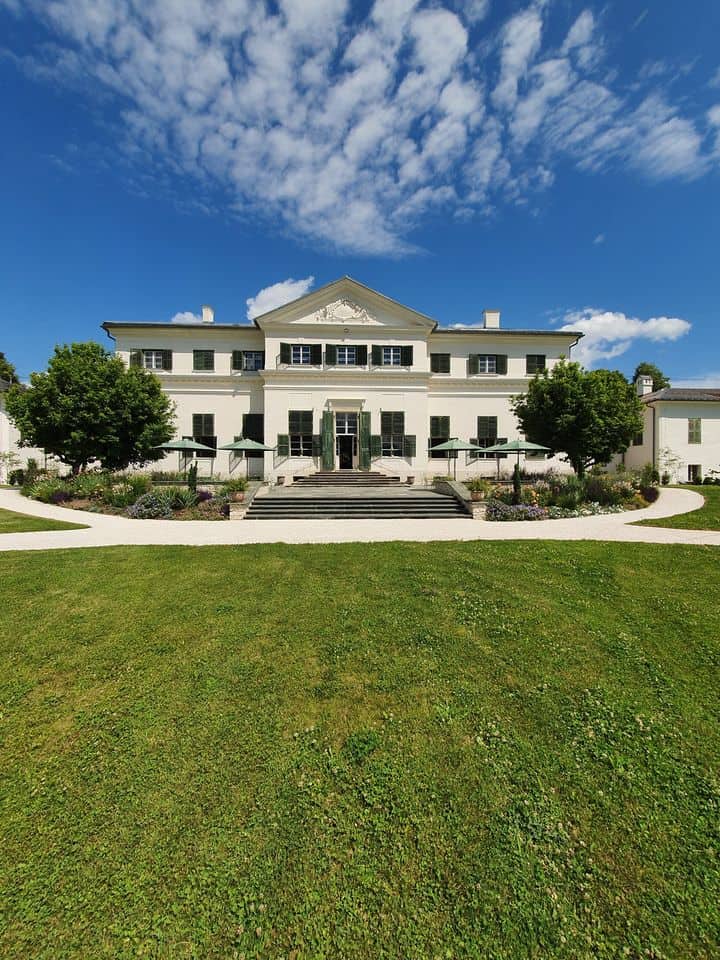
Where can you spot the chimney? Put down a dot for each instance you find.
(644, 385)
(208, 314)
(491, 319)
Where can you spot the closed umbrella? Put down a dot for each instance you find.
(246, 446)
(455, 445)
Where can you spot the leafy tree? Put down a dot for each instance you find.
(7, 370)
(587, 415)
(89, 407)
(645, 369)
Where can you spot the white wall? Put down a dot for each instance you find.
(9, 442)
(672, 435)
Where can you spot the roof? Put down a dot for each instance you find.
(684, 393)
(314, 295)
(4, 385)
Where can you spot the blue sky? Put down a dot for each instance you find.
(557, 160)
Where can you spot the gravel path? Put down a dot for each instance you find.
(107, 531)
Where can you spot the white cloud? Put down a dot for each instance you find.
(349, 129)
(600, 238)
(709, 381)
(609, 334)
(187, 317)
(277, 295)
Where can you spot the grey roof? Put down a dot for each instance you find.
(490, 331)
(168, 325)
(684, 393)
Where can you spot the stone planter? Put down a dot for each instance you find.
(476, 496)
(237, 496)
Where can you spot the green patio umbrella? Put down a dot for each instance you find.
(246, 446)
(518, 447)
(455, 445)
(184, 447)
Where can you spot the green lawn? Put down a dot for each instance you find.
(11, 522)
(360, 751)
(706, 518)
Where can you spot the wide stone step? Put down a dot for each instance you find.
(354, 508)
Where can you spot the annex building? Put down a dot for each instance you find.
(343, 378)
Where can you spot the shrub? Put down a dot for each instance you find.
(238, 485)
(45, 488)
(497, 510)
(178, 498)
(566, 491)
(708, 481)
(203, 496)
(479, 485)
(665, 478)
(606, 490)
(650, 494)
(16, 478)
(192, 477)
(90, 486)
(150, 506)
(173, 475)
(649, 476)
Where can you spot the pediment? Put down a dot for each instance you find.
(346, 303)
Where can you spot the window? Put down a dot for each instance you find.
(638, 439)
(392, 430)
(694, 472)
(487, 363)
(440, 363)
(253, 428)
(157, 359)
(346, 356)
(694, 430)
(300, 428)
(487, 437)
(391, 356)
(534, 363)
(203, 359)
(439, 433)
(248, 359)
(300, 353)
(346, 424)
(203, 431)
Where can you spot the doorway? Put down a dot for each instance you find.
(346, 429)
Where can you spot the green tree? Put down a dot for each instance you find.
(587, 415)
(645, 369)
(7, 370)
(90, 407)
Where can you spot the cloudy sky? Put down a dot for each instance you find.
(557, 160)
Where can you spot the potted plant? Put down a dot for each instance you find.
(479, 488)
(235, 490)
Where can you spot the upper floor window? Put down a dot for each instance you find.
(301, 354)
(248, 359)
(151, 359)
(440, 363)
(393, 356)
(203, 359)
(487, 363)
(695, 430)
(346, 356)
(534, 363)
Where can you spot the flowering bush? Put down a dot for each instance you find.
(203, 495)
(586, 510)
(150, 506)
(497, 510)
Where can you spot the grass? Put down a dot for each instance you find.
(706, 517)
(11, 522)
(360, 751)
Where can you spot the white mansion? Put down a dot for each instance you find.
(343, 378)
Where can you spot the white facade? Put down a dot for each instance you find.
(9, 440)
(681, 433)
(305, 370)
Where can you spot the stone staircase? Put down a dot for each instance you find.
(413, 506)
(346, 478)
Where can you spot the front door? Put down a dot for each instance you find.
(346, 428)
(345, 452)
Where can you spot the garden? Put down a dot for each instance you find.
(159, 495)
(555, 496)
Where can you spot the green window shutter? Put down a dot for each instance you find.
(316, 354)
(283, 445)
(392, 421)
(534, 363)
(472, 364)
(285, 353)
(254, 427)
(406, 356)
(376, 355)
(375, 446)
(330, 354)
(409, 446)
(136, 358)
(440, 363)
(237, 359)
(197, 425)
(361, 355)
(262, 359)
(328, 440)
(487, 428)
(501, 363)
(398, 423)
(440, 427)
(364, 459)
(385, 422)
(306, 421)
(317, 445)
(167, 359)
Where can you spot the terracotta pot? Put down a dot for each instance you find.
(237, 496)
(477, 495)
